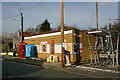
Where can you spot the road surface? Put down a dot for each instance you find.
(11, 69)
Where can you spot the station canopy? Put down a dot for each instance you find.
(102, 33)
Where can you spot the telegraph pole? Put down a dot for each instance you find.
(97, 26)
(62, 33)
(96, 14)
(21, 26)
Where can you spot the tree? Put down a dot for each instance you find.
(105, 27)
(91, 29)
(30, 30)
(16, 34)
(75, 26)
(115, 26)
(37, 29)
(59, 27)
(43, 27)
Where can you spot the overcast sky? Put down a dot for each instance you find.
(80, 13)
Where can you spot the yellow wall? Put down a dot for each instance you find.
(70, 38)
(57, 40)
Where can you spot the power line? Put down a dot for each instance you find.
(92, 15)
(10, 17)
(34, 6)
(18, 8)
(17, 5)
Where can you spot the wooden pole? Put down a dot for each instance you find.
(96, 14)
(21, 26)
(62, 33)
(97, 25)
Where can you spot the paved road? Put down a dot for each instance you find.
(12, 69)
(17, 70)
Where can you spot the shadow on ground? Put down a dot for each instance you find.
(11, 69)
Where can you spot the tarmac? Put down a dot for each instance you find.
(42, 63)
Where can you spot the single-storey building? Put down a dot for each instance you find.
(75, 43)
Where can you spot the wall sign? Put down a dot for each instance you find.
(80, 47)
(52, 47)
(44, 48)
(58, 48)
(40, 48)
(48, 48)
(69, 47)
(43, 43)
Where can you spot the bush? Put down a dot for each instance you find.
(4, 51)
(11, 50)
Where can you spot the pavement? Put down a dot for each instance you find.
(86, 67)
(115, 69)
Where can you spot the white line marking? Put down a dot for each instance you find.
(106, 70)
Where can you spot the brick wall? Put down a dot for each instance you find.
(70, 38)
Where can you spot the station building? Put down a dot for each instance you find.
(75, 44)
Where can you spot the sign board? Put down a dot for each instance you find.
(40, 48)
(48, 48)
(43, 43)
(52, 47)
(58, 48)
(44, 48)
(80, 47)
(69, 47)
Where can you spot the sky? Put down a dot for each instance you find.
(81, 14)
(119, 10)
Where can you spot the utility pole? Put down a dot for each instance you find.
(96, 14)
(97, 27)
(21, 26)
(62, 33)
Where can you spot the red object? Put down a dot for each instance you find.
(52, 47)
(80, 49)
(44, 48)
(39, 43)
(22, 50)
